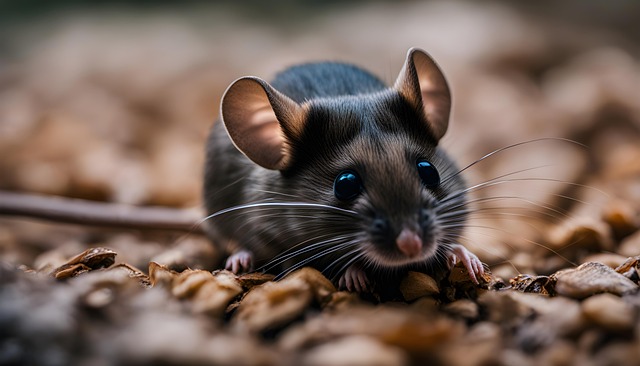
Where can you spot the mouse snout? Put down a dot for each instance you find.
(409, 243)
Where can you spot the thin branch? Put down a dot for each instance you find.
(76, 211)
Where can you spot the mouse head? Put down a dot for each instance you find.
(376, 154)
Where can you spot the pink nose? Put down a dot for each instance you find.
(409, 243)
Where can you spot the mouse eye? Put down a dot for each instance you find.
(428, 174)
(347, 185)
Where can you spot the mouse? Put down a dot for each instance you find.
(327, 166)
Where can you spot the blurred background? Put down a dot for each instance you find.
(112, 100)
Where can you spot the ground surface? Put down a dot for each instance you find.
(114, 105)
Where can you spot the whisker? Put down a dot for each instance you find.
(346, 265)
(509, 147)
(461, 193)
(485, 212)
(277, 193)
(497, 198)
(545, 247)
(316, 256)
(277, 205)
(288, 254)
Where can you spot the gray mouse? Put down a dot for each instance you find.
(328, 167)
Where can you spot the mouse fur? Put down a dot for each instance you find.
(276, 152)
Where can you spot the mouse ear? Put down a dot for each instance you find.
(422, 83)
(260, 120)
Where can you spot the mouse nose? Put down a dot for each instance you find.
(409, 243)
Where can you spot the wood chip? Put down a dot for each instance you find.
(319, 284)
(209, 293)
(250, 280)
(583, 234)
(416, 285)
(630, 269)
(591, 278)
(609, 311)
(272, 305)
(341, 300)
(354, 351)
(187, 283)
(630, 246)
(214, 295)
(622, 219)
(612, 260)
(464, 308)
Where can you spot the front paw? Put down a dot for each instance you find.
(354, 279)
(471, 262)
(240, 262)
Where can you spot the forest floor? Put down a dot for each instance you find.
(115, 107)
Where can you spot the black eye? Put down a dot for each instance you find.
(428, 174)
(347, 185)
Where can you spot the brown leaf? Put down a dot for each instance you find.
(533, 284)
(133, 272)
(70, 270)
(160, 275)
(95, 258)
(90, 259)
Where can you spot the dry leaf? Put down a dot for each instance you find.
(533, 284)
(90, 259)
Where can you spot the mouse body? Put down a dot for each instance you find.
(329, 167)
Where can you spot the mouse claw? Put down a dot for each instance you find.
(241, 261)
(470, 261)
(354, 279)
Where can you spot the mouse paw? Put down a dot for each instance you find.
(240, 261)
(471, 262)
(354, 279)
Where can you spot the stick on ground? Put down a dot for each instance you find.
(76, 211)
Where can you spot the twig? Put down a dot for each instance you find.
(76, 211)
